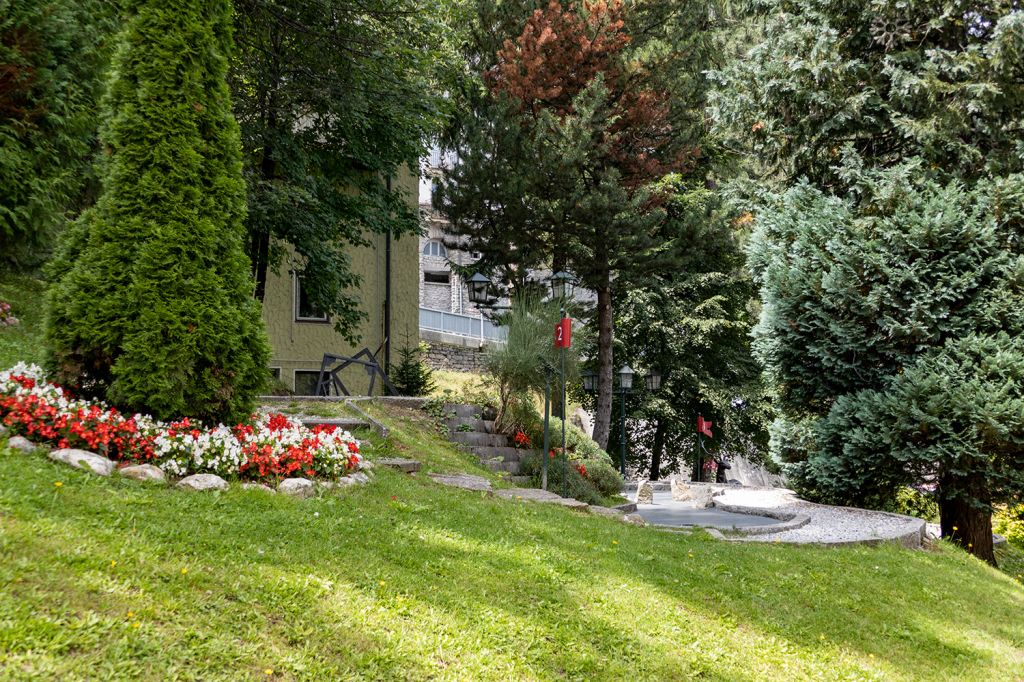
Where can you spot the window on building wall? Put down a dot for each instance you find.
(305, 311)
(437, 277)
(435, 248)
(305, 381)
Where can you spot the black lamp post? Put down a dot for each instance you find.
(653, 380)
(562, 286)
(625, 385)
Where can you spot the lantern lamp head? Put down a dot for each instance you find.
(589, 378)
(653, 380)
(562, 285)
(626, 377)
(479, 288)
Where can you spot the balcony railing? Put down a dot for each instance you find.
(475, 327)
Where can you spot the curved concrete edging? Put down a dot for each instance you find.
(790, 520)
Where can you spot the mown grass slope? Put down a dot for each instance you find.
(404, 579)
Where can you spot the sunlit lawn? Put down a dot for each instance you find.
(403, 579)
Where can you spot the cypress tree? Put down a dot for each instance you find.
(152, 308)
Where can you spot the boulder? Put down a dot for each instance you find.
(644, 493)
(3, 430)
(203, 482)
(634, 520)
(359, 477)
(85, 460)
(346, 481)
(143, 472)
(297, 487)
(702, 497)
(680, 489)
(21, 444)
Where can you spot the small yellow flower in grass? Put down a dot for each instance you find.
(113, 563)
(268, 671)
(184, 571)
(57, 484)
(955, 529)
(383, 583)
(136, 624)
(615, 542)
(131, 614)
(821, 637)
(969, 545)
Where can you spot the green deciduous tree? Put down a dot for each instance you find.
(52, 55)
(334, 99)
(152, 308)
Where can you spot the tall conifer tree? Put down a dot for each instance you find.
(153, 306)
(890, 258)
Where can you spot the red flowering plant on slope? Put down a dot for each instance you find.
(269, 446)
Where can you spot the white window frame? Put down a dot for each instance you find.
(296, 289)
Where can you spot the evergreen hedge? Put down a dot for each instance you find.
(152, 307)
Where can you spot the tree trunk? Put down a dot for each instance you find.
(657, 449)
(963, 523)
(603, 408)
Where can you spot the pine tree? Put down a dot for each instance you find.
(152, 308)
(556, 159)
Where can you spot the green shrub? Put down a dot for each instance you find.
(1008, 520)
(604, 477)
(576, 486)
(913, 502)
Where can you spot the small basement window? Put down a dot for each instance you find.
(305, 381)
(437, 277)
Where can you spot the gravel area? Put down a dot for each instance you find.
(827, 525)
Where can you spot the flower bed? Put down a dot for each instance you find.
(269, 446)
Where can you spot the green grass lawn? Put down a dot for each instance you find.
(404, 579)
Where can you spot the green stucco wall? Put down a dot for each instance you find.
(301, 345)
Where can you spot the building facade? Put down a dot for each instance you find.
(300, 336)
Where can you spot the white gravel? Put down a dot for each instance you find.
(828, 525)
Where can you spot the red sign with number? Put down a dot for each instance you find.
(704, 426)
(563, 333)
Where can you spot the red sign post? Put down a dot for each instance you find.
(563, 333)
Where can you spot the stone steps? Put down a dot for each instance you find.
(508, 454)
(463, 411)
(473, 424)
(512, 468)
(346, 423)
(476, 439)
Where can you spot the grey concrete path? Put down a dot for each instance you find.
(667, 512)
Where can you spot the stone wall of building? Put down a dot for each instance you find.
(453, 357)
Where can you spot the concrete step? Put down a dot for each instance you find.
(473, 424)
(510, 467)
(463, 411)
(346, 423)
(506, 454)
(476, 440)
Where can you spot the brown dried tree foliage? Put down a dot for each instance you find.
(559, 54)
(17, 78)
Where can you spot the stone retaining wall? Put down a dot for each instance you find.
(454, 358)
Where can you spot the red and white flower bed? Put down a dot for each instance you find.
(270, 446)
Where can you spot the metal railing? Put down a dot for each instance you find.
(476, 327)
